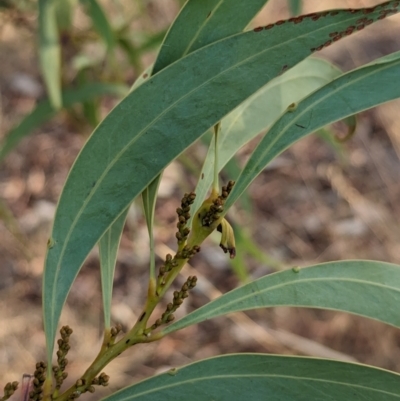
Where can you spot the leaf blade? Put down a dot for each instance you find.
(362, 286)
(271, 377)
(200, 23)
(149, 199)
(108, 250)
(50, 51)
(100, 23)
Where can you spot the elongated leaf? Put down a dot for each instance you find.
(44, 112)
(64, 13)
(295, 6)
(49, 51)
(260, 111)
(100, 22)
(158, 121)
(108, 247)
(366, 288)
(149, 197)
(200, 23)
(241, 377)
(349, 94)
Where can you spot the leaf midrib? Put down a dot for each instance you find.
(277, 376)
(287, 284)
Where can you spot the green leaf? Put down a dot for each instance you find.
(100, 22)
(366, 288)
(200, 23)
(154, 124)
(64, 13)
(259, 112)
(44, 111)
(108, 247)
(149, 198)
(295, 6)
(349, 94)
(241, 377)
(50, 51)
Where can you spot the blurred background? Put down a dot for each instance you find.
(319, 201)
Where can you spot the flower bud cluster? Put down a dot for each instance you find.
(183, 217)
(62, 361)
(217, 207)
(168, 265)
(101, 380)
(82, 386)
(9, 390)
(179, 296)
(115, 331)
(187, 253)
(171, 262)
(37, 383)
